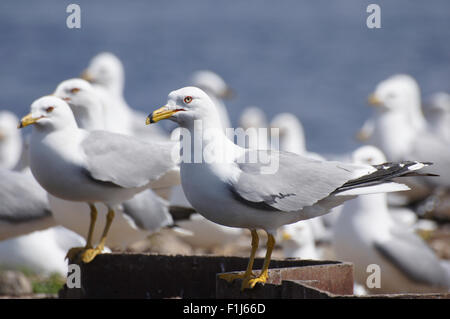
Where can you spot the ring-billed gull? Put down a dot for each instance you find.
(10, 140)
(400, 129)
(253, 120)
(41, 251)
(141, 215)
(398, 116)
(261, 189)
(437, 112)
(91, 167)
(107, 75)
(366, 233)
(24, 206)
(297, 241)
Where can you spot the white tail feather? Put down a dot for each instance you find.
(381, 188)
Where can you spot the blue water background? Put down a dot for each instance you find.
(316, 59)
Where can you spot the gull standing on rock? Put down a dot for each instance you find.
(366, 233)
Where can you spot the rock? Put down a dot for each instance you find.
(14, 283)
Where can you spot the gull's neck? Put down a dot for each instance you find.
(208, 142)
(10, 150)
(90, 117)
(293, 141)
(393, 133)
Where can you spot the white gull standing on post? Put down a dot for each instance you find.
(261, 189)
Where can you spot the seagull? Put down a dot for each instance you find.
(92, 166)
(297, 241)
(141, 215)
(10, 140)
(106, 73)
(400, 131)
(261, 189)
(254, 122)
(41, 251)
(438, 115)
(24, 206)
(366, 233)
(217, 89)
(398, 116)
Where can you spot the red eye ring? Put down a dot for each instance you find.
(49, 109)
(187, 99)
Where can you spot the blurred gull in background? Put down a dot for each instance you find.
(366, 233)
(437, 112)
(297, 241)
(399, 129)
(290, 136)
(10, 140)
(107, 75)
(217, 89)
(254, 122)
(42, 252)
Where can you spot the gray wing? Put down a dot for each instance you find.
(414, 258)
(23, 204)
(21, 198)
(296, 183)
(148, 211)
(125, 160)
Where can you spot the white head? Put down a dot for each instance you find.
(49, 113)
(186, 105)
(211, 83)
(297, 241)
(399, 93)
(252, 117)
(439, 103)
(84, 102)
(368, 154)
(106, 69)
(291, 134)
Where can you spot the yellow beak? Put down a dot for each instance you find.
(160, 114)
(28, 120)
(373, 100)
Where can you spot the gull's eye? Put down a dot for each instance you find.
(49, 109)
(187, 99)
(74, 90)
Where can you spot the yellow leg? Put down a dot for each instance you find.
(74, 252)
(265, 271)
(248, 273)
(89, 254)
